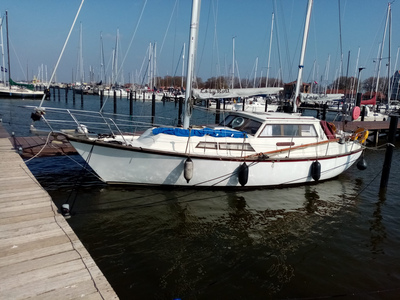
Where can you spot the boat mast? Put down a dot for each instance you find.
(303, 50)
(390, 36)
(381, 51)
(3, 76)
(194, 29)
(8, 51)
(269, 53)
(102, 72)
(183, 63)
(233, 62)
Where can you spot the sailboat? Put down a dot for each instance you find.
(244, 150)
(14, 89)
(371, 113)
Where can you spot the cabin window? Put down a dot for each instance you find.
(207, 145)
(251, 126)
(236, 146)
(241, 124)
(225, 146)
(288, 130)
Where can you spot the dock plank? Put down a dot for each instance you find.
(40, 255)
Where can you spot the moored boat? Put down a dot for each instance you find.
(246, 149)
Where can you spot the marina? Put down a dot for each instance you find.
(132, 196)
(335, 238)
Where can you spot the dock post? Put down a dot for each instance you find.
(115, 101)
(389, 152)
(363, 113)
(218, 104)
(153, 108)
(144, 96)
(324, 107)
(376, 137)
(180, 111)
(130, 103)
(66, 94)
(58, 92)
(81, 96)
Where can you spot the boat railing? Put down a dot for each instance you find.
(88, 122)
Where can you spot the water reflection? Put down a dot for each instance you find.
(186, 243)
(377, 229)
(165, 244)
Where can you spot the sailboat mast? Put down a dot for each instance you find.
(183, 63)
(3, 76)
(303, 51)
(390, 37)
(194, 29)
(8, 51)
(269, 52)
(233, 62)
(381, 50)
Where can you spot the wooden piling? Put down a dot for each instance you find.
(153, 108)
(130, 103)
(66, 94)
(180, 111)
(218, 106)
(115, 101)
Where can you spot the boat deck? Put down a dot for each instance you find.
(40, 255)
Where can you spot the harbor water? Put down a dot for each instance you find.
(339, 238)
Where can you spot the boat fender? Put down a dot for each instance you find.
(316, 170)
(243, 174)
(188, 169)
(355, 114)
(362, 164)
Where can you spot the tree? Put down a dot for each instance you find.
(344, 83)
(369, 84)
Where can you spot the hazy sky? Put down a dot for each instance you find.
(38, 29)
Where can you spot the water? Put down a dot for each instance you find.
(338, 238)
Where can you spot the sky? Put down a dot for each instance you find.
(344, 35)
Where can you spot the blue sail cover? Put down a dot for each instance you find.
(200, 132)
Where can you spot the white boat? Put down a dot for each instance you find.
(255, 150)
(246, 149)
(20, 92)
(15, 89)
(118, 92)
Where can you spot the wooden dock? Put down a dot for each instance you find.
(40, 255)
(51, 145)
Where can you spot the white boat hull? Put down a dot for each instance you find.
(127, 165)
